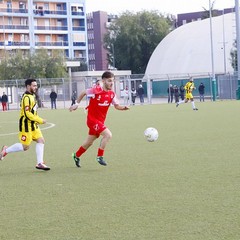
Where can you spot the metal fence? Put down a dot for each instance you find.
(227, 86)
(155, 88)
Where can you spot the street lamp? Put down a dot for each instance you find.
(238, 39)
(212, 55)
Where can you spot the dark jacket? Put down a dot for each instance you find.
(201, 89)
(4, 98)
(140, 91)
(53, 96)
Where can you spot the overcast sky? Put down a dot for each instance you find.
(163, 6)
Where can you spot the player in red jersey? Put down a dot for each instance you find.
(101, 97)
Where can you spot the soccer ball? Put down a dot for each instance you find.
(151, 134)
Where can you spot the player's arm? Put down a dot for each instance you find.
(117, 106)
(28, 114)
(79, 99)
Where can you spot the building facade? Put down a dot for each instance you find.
(184, 18)
(30, 25)
(97, 27)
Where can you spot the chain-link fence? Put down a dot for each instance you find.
(155, 88)
(227, 86)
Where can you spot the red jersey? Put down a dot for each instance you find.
(99, 103)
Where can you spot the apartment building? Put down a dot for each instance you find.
(97, 26)
(184, 18)
(49, 24)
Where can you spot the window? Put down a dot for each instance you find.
(23, 21)
(10, 22)
(36, 38)
(48, 38)
(46, 6)
(59, 7)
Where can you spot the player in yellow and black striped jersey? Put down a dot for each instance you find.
(28, 126)
(189, 87)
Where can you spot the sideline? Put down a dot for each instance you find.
(51, 125)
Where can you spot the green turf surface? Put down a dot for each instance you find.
(185, 186)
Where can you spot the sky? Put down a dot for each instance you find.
(164, 6)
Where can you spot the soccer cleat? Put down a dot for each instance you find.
(3, 152)
(177, 104)
(195, 109)
(101, 161)
(42, 166)
(76, 159)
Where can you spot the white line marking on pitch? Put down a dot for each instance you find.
(51, 125)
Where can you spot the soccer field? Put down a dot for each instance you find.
(185, 186)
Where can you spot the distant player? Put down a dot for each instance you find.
(189, 87)
(101, 97)
(28, 126)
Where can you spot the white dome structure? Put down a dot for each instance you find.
(187, 49)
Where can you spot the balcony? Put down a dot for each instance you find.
(13, 10)
(74, 13)
(12, 43)
(79, 28)
(55, 28)
(79, 44)
(18, 27)
(52, 44)
(47, 12)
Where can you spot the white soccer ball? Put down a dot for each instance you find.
(151, 134)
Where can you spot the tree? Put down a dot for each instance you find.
(133, 37)
(234, 57)
(33, 65)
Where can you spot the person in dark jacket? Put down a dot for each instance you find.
(140, 93)
(4, 101)
(53, 96)
(74, 97)
(170, 91)
(201, 90)
(176, 93)
(182, 90)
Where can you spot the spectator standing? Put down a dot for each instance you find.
(140, 93)
(182, 90)
(170, 91)
(4, 101)
(125, 95)
(74, 97)
(176, 93)
(201, 90)
(53, 97)
(133, 95)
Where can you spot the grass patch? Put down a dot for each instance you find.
(185, 186)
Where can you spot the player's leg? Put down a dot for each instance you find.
(193, 104)
(181, 102)
(39, 139)
(24, 144)
(83, 148)
(106, 136)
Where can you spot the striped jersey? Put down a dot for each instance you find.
(189, 87)
(29, 119)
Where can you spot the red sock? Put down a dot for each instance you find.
(100, 152)
(80, 151)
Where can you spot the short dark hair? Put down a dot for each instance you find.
(107, 74)
(29, 81)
